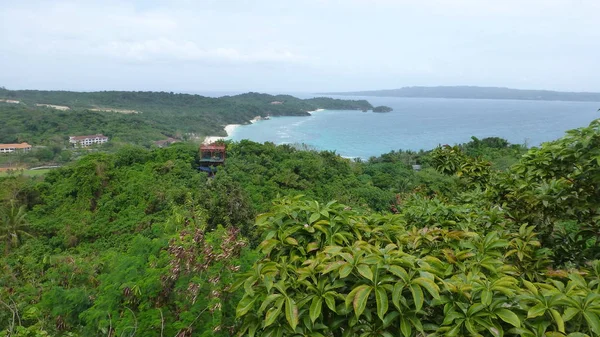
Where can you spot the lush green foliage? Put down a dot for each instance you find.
(330, 271)
(160, 114)
(138, 242)
(488, 261)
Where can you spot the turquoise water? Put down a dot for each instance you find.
(423, 123)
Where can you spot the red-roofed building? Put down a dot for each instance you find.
(84, 141)
(9, 148)
(212, 154)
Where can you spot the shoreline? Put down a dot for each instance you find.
(318, 110)
(229, 128)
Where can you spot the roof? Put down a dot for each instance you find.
(213, 146)
(86, 137)
(15, 146)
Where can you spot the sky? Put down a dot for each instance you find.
(298, 45)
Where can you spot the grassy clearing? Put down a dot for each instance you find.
(29, 173)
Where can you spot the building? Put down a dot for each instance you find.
(9, 148)
(85, 141)
(211, 156)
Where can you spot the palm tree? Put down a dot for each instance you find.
(13, 225)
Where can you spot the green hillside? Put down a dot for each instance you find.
(158, 114)
(487, 239)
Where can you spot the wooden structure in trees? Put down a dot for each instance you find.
(211, 156)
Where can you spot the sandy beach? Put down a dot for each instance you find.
(231, 127)
(228, 128)
(311, 112)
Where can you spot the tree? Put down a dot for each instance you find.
(13, 225)
(330, 271)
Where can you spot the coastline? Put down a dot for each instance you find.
(318, 110)
(229, 128)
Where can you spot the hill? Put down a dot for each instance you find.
(473, 92)
(139, 117)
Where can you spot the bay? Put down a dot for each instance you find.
(422, 123)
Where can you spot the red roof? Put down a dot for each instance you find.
(212, 146)
(15, 146)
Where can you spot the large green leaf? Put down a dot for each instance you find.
(417, 296)
(244, 305)
(315, 308)
(593, 321)
(486, 297)
(291, 312)
(270, 299)
(382, 302)
(267, 246)
(569, 314)
(397, 294)
(429, 285)
(509, 317)
(360, 298)
(272, 315)
(560, 324)
(536, 311)
(399, 271)
(345, 270)
(365, 271)
(330, 301)
(405, 327)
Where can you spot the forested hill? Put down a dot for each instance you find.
(150, 115)
(473, 92)
(287, 242)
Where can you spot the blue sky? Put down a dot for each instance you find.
(299, 45)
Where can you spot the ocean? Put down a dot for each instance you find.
(422, 123)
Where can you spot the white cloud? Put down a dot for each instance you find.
(123, 33)
(165, 50)
(340, 44)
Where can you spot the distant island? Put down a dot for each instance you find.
(473, 92)
(382, 108)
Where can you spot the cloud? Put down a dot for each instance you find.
(166, 50)
(125, 33)
(339, 44)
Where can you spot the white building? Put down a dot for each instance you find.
(84, 141)
(9, 148)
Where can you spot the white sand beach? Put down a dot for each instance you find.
(311, 112)
(228, 128)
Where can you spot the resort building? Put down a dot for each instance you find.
(9, 148)
(84, 141)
